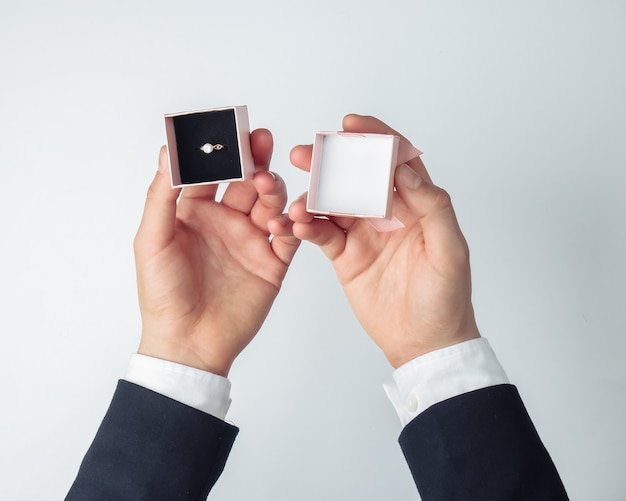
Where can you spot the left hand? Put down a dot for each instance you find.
(208, 271)
(410, 288)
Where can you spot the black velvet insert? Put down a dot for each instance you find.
(214, 127)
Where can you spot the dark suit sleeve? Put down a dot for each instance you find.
(150, 447)
(480, 446)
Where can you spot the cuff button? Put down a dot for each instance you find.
(411, 403)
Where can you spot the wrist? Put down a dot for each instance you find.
(185, 354)
(419, 346)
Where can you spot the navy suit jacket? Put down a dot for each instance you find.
(478, 446)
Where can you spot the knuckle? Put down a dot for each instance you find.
(152, 192)
(137, 243)
(442, 199)
(460, 257)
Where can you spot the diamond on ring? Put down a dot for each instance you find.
(208, 147)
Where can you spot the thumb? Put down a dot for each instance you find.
(432, 206)
(159, 215)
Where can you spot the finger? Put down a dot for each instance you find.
(323, 233)
(281, 226)
(262, 145)
(300, 156)
(345, 223)
(241, 196)
(298, 212)
(432, 205)
(367, 124)
(272, 197)
(330, 237)
(204, 192)
(159, 215)
(284, 243)
(285, 248)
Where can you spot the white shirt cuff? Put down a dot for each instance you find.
(443, 374)
(196, 388)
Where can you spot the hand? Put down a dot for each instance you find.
(208, 271)
(409, 288)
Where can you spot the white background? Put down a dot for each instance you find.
(520, 109)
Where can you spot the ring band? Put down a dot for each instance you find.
(208, 147)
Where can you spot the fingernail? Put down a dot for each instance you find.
(300, 199)
(274, 176)
(408, 177)
(284, 220)
(163, 162)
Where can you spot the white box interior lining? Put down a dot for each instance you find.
(351, 174)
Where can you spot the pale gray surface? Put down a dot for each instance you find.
(521, 110)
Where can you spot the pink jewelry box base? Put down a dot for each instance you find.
(227, 126)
